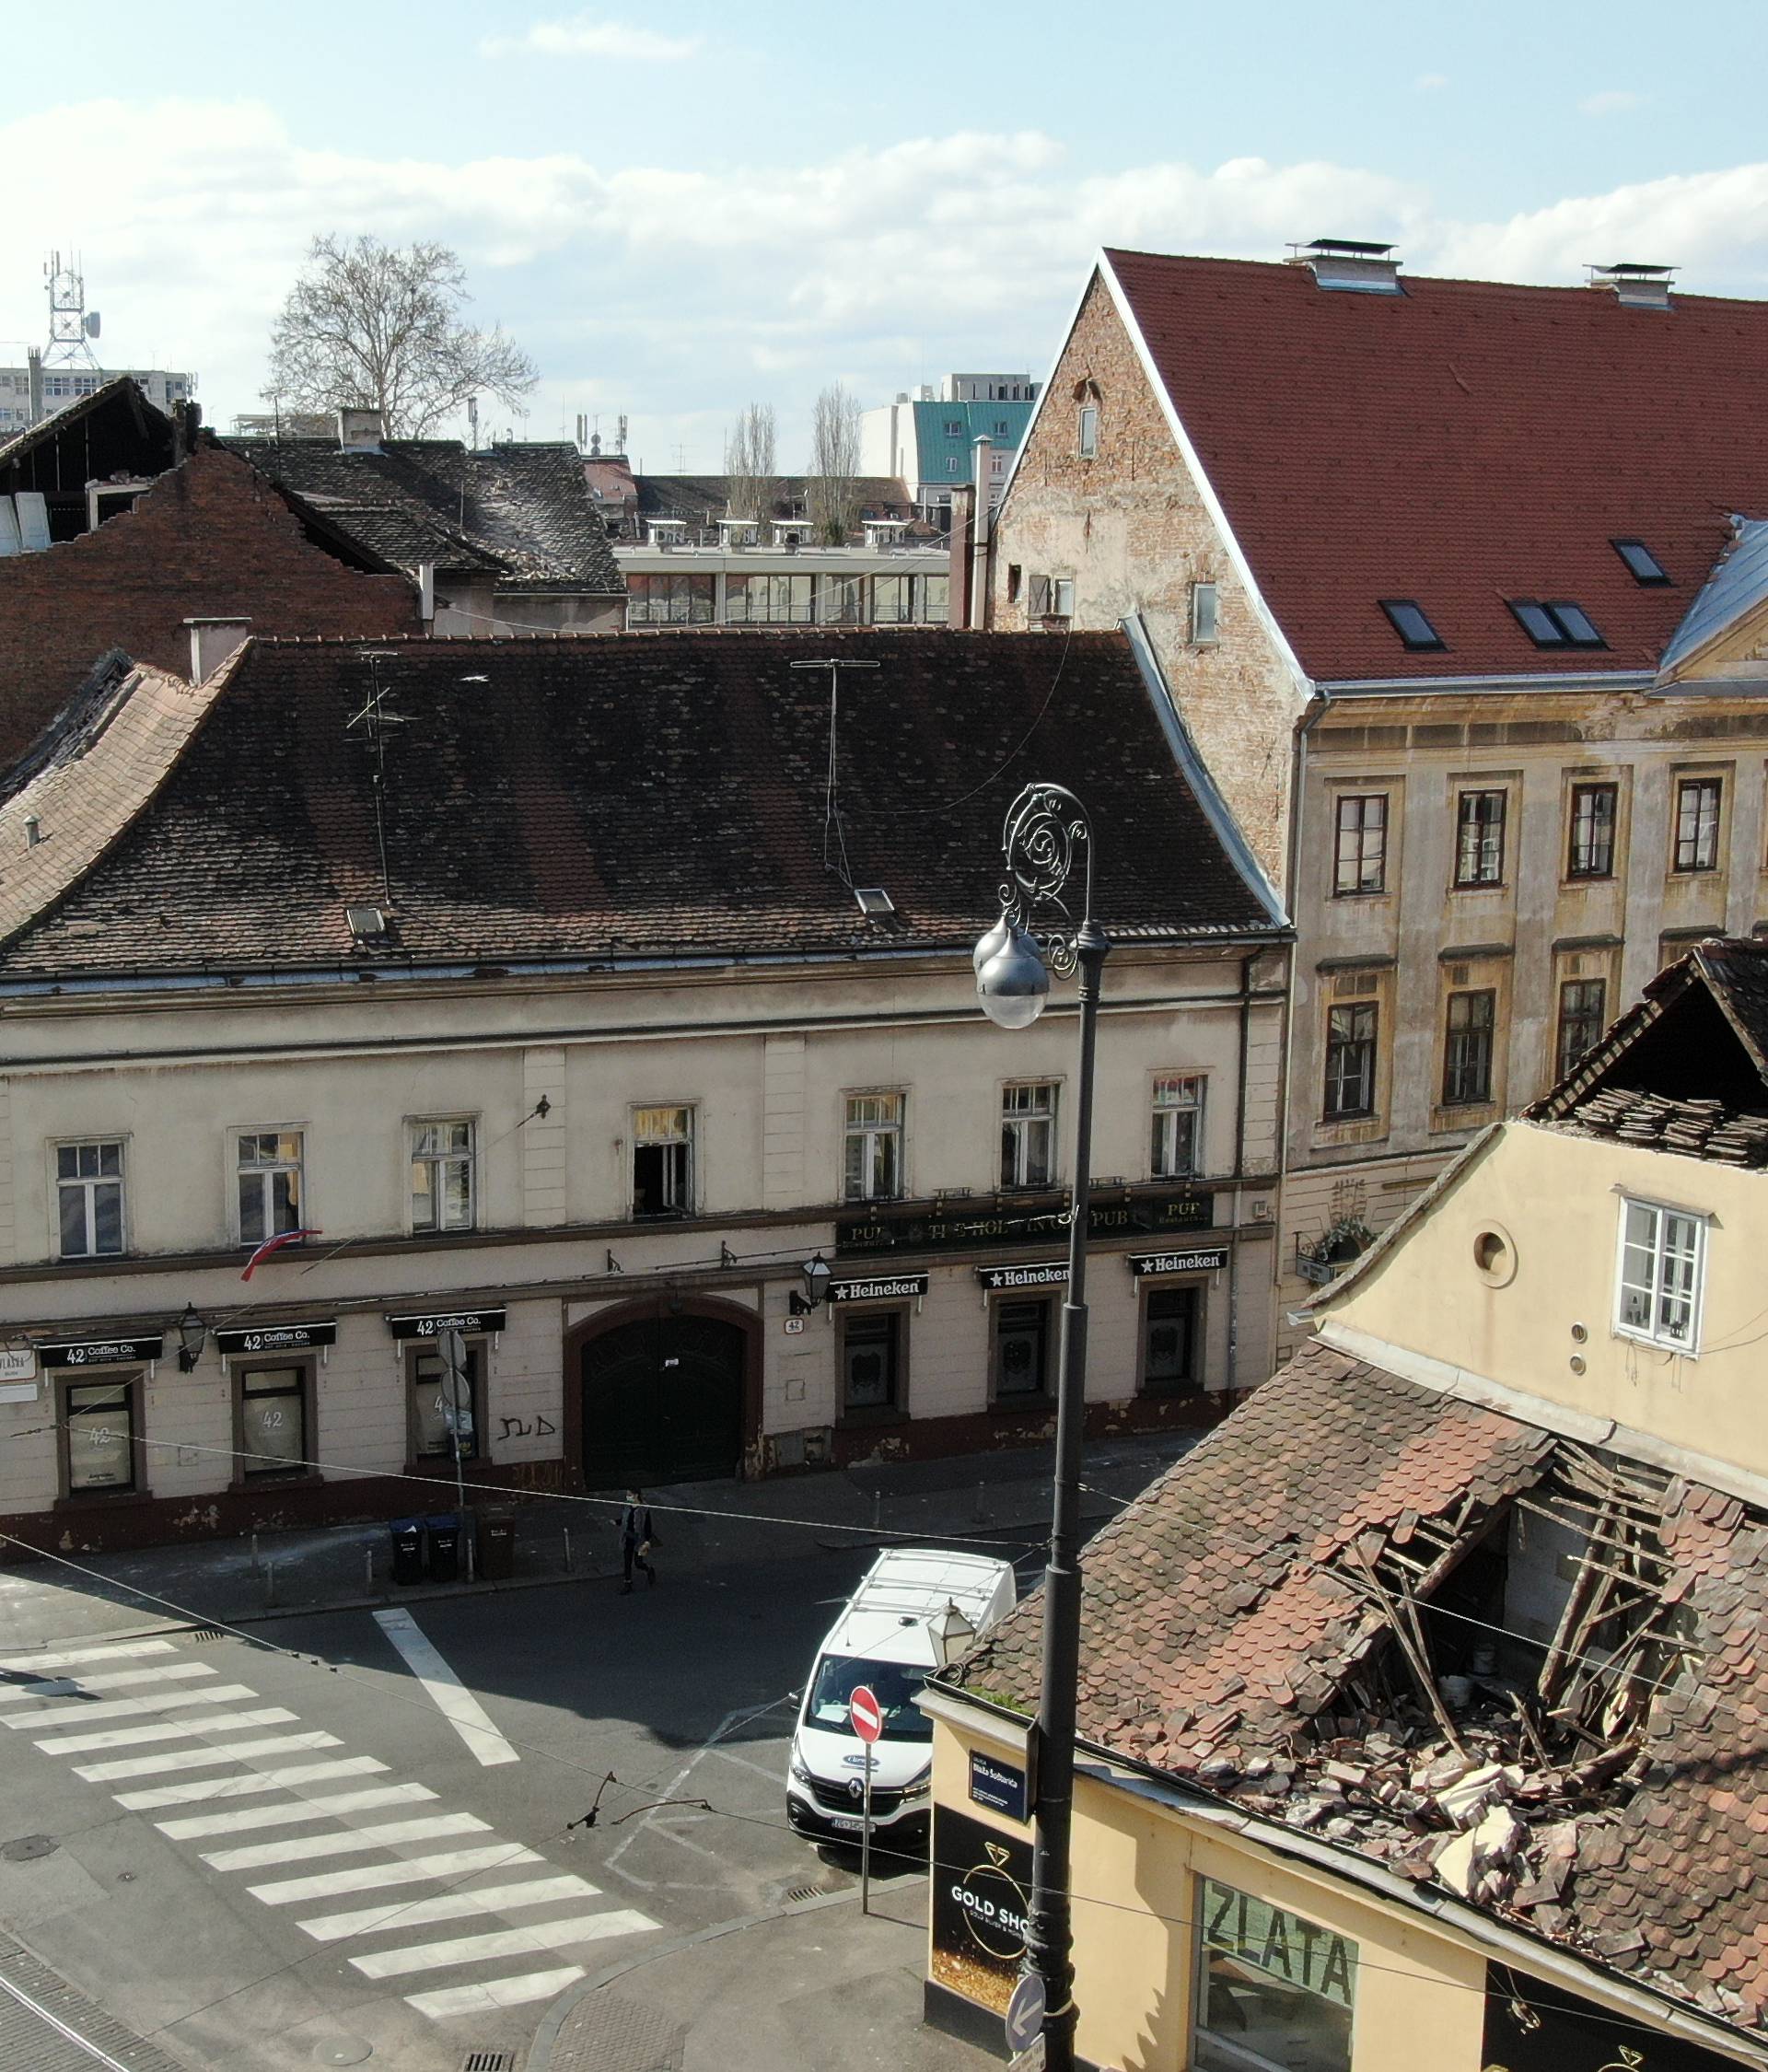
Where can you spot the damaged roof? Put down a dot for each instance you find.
(1253, 1628)
(114, 431)
(521, 514)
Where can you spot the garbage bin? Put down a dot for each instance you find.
(497, 1543)
(444, 1532)
(408, 1549)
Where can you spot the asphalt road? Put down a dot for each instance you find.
(408, 1887)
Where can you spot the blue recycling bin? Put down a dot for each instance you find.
(444, 1533)
(408, 1535)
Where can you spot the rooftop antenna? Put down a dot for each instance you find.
(374, 719)
(834, 664)
(71, 330)
(681, 469)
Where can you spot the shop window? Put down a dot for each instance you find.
(1582, 1018)
(663, 1161)
(1275, 1992)
(431, 1436)
(442, 1176)
(270, 1184)
(871, 1360)
(873, 1148)
(1360, 864)
(100, 1419)
(88, 1199)
(1177, 1149)
(1467, 1048)
(1350, 1060)
(1021, 1351)
(1591, 851)
(1172, 1352)
(1658, 1284)
(1479, 838)
(1028, 1134)
(272, 1420)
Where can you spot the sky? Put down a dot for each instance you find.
(677, 210)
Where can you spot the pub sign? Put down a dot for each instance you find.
(963, 1227)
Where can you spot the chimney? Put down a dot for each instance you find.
(426, 591)
(34, 383)
(982, 479)
(1350, 263)
(359, 431)
(960, 544)
(1634, 284)
(212, 641)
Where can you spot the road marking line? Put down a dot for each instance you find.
(201, 1758)
(414, 1870)
(493, 1994)
(292, 1814)
(173, 1731)
(450, 1906)
(502, 1943)
(242, 1788)
(346, 1842)
(133, 1708)
(453, 1700)
(62, 1658)
(101, 1680)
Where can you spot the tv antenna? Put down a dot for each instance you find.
(71, 329)
(831, 825)
(375, 719)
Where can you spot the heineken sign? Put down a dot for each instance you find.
(277, 1337)
(432, 1323)
(964, 1227)
(881, 1288)
(101, 1352)
(1051, 1273)
(1203, 1259)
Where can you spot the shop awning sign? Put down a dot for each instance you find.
(431, 1323)
(1049, 1273)
(100, 1352)
(878, 1287)
(277, 1337)
(1194, 1259)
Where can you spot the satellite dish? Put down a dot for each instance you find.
(90, 323)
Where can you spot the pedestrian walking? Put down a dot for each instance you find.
(637, 1537)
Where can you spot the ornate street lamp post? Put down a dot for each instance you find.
(1047, 834)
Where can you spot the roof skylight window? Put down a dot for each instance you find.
(1643, 566)
(1409, 623)
(1558, 623)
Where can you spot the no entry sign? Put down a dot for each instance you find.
(865, 1714)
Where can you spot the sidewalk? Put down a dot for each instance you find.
(817, 1984)
(1000, 1502)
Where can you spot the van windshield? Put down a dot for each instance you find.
(893, 1684)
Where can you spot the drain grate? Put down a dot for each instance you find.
(206, 1633)
(801, 1893)
(488, 2061)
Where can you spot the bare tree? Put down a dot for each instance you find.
(378, 327)
(832, 492)
(749, 463)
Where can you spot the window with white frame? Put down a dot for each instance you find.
(270, 1184)
(1088, 430)
(1658, 1282)
(1177, 1149)
(1028, 1134)
(442, 1192)
(1062, 597)
(662, 1161)
(89, 1198)
(1206, 615)
(873, 1148)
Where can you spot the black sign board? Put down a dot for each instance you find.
(277, 1337)
(1533, 2027)
(999, 1785)
(1048, 1273)
(981, 1895)
(879, 1288)
(100, 1352)
(431, 1323)
(1200, 1259)
(964, 1227)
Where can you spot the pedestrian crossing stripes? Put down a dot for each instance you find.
(152, 1723)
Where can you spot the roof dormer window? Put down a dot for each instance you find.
(1643, 566)
(1556, 625)
(1409, 621)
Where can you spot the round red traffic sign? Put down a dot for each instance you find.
(866, 1713)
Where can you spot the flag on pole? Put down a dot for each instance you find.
(276, 1244)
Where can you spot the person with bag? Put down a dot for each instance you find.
(637, 1537)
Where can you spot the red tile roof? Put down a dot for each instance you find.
(1461, 444)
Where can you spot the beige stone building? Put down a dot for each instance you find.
(1423, 1707)
(545, 991)
(1471, 639)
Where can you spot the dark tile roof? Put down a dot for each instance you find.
(1462, 443)
(1231, 1640)
(1698, 1129)
(636, 794)
(522, 513)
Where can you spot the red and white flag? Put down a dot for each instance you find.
(276, 1244)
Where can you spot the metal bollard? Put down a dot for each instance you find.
(877, 1506)
(369, 1570)
(981, 1515)
(254, 1553)
(270, 1582)
(567, 1549)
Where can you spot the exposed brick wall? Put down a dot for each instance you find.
(209, 539)
(1132, 529)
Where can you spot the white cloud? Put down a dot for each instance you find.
(1620, 100)
(584, 36)
(1430, 82)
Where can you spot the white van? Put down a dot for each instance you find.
(885, 1638)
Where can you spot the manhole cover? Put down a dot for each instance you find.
(28, 1848)
(343, 2050)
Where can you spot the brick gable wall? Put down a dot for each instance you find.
(1130, 526)
(209, 539)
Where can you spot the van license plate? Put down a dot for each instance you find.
(847, 1827)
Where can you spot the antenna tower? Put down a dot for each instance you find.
(374, 719)
(71, 331)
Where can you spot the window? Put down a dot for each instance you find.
(1558, 624)
(1275, 1992)
(840, 601)
(934, 593)
(1581, 1019)
(954, 428)
(1028, 1134)
(1170, 1341)
(1062, 596)
(430, 1433)
(1467, 1048)
(1643, 566)
(1206, 616)
(955, 465)
(101, 1419)
(892, 600)
(1591, 853)
(1479, 838)
(1361, 862)
(1658, 1286)
(1021, 1350)
(1000, 429)
(871, 1359)
(442, 1176)
(1178, 1143)
(1409, 621)
(662, 1161)
(1350, 1060)
(1037, 596)
(668, 600)
(768, 600)
(270, 1184)
(88, 1190)
(1088, 430)
(272, 1420)
(873, 1156)
(1697, 823)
